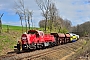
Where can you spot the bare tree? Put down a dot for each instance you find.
(53, 13)
(21, 18)
(24, 13)
(57, 24)
(29, 17)
(1, 22)
(44, 6)
(67, 24)
(20, 9)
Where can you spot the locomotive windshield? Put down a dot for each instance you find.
(32, 32)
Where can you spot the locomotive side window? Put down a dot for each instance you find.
(41, 34)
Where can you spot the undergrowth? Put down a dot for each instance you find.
(81, 52)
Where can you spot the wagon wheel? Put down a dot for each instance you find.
(59, 41)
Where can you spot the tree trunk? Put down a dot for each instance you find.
(22, 26)
(0, 25)
(45, 24)
(28, 24)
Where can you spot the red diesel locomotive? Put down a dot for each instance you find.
(37, 39)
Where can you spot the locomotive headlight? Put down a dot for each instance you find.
(24, 38)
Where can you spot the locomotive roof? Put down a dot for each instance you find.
(39, 32)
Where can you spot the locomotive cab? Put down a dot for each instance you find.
(36, 32)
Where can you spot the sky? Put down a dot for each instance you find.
(77, 11)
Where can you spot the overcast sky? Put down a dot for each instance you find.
(77, 11)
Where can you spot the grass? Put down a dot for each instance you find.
(14, 28)
(6, 42)
(9, 39)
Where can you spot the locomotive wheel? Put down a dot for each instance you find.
(36, 46)
(53, 44)
(62, 42)
(50, 44)
(43, 46)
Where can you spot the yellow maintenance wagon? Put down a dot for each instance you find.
(73, 38)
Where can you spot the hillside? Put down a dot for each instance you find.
(9, 38)
(83, 53)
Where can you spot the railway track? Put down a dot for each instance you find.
(45, 52)
(19, 56)
(62, 48)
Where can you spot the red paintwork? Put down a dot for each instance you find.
(68, 35)
(61, 35)
(35, 36)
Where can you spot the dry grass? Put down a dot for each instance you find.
(81, 52)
